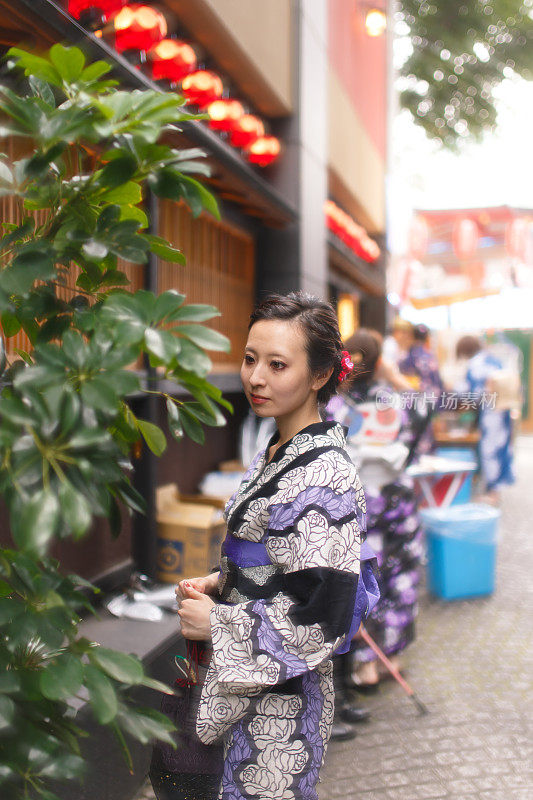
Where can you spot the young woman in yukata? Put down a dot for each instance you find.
(291, 590)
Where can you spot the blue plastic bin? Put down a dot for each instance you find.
(464, 495)
(461, 547)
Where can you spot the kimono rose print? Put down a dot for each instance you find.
(295, 529)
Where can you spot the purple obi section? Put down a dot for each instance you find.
(244, 553)
(366, 596)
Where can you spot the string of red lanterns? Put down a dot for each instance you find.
(93, 10)
(353, 235)
(144, 28)
(264, 151)
(202, 87)
(246, 130)
(224, 114)
(172, 60)
(138, 27)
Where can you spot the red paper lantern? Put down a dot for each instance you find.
(516, 235)
(246, 130)
(465, 237)
(264, 151)
(224, 113)
(99, 9)
(172, 60)
(353, 235)
(202, 87)
(138, 28)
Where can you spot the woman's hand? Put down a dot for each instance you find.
(207, 585)
(194, 613)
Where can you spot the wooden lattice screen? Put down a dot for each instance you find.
(219, 271)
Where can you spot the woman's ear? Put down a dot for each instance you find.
(321, 380)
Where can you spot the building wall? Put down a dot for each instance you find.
(252, 41)
(357, 112)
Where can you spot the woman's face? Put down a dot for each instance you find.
(275, 372)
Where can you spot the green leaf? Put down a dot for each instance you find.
(123, 746)
(207, 412)
(19, 232)
(9, 682)
(36, 525)
(7, 711)
(74, 509)
(158, 686)
(69, 61)
(95, 71)
(174, 422)
(98, 394)
(31, 264)
(62, 678)
(36, 66)
(10, 324)
(42, 89)
(102, 695)
(135, 213)
(193, 358)
(198, 197)
(153, 436)
(120, 666)
(129, 194)
(63, 767)
(131, 497)
(205, 337)
(195, 312)
(191, 426)
(117, 172)
(164, 250)
(162, 344)
(167, 305)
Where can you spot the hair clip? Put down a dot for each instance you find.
(346, 364)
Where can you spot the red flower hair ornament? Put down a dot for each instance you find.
(346, 364)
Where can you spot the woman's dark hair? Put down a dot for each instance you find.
(467, 346)
(319, 324)
(365, 348)
(421, 333)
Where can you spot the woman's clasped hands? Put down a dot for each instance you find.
(195, 604)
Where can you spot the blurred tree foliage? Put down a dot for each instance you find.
(461, 51)
(66, 426)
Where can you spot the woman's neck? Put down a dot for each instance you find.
(288, 428)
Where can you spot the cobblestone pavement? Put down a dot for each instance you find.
(472, 665)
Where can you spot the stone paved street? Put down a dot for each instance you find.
(472, 665)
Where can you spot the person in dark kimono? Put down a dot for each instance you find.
(421, 367)
(294, 583)
(382, 437)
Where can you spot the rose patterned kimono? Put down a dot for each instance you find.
(292, 594)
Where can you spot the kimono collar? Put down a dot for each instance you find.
(315, 429)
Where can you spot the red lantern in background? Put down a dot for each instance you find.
(224, 113)
(516, 235)
(353, 235)
(201, 88)
(138, 27)
(418, 238)
(465, 237)
(93, 9)
(172, 60)
(246, 130)
(264, 151)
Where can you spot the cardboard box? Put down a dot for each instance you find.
(189, 537)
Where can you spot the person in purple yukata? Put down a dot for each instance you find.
(382, 436)
(294, 581)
